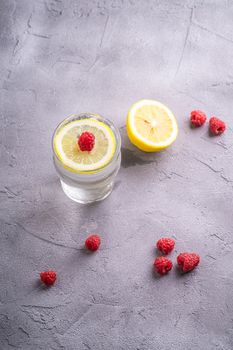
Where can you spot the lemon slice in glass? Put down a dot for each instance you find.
(67, 149)
(151, 126)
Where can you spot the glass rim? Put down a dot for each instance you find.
(98, 117)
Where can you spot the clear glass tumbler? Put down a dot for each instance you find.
(87, 186)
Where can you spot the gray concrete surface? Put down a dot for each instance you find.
(60, 57)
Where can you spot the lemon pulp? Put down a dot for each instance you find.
(151, 126)
(67, 149)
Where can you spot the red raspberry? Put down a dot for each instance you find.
(162, 265)
(93, 242)
(86, 141)
(188, 261)
(217, 126)
(48, 277)
(197, 118)
(165, 245)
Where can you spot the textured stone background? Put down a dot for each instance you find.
(59, 57)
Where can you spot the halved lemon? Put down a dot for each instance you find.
(67, 150)
(151, 126)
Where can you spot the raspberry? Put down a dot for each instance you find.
(86, 141)
(165, 245)
(93, 242)
(217, 126)
(162, 265)
(188, 261)
(48, 277)
(197, 118)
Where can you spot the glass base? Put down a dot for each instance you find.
(84, 195)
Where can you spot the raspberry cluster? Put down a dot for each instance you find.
(216, 125)
(186, 261)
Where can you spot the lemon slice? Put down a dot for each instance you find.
(67, 150)
(151, 126)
